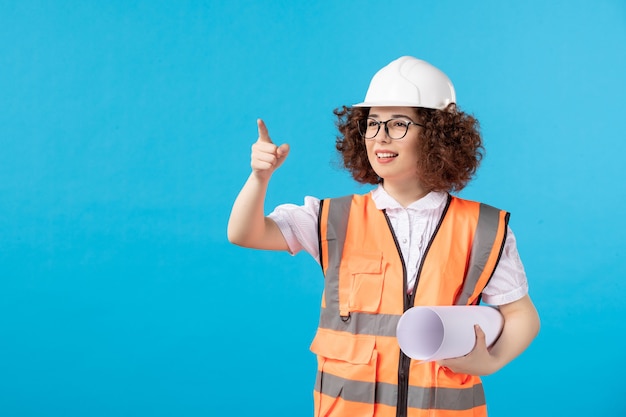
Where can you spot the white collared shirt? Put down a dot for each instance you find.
(413, 227)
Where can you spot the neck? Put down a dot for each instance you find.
(404, 192)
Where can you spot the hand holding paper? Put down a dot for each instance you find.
(443, 332)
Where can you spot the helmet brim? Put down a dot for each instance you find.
(395, 104)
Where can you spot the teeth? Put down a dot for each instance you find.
(386, 155)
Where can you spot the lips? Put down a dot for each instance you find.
(386, 155)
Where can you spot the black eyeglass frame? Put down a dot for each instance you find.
(363, 129)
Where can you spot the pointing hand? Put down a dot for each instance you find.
(266, 156)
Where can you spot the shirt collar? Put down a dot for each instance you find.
(431, 201)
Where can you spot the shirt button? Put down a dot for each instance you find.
(404, 240)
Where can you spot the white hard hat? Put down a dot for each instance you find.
(409, 82)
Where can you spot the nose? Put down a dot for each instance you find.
(382, 135)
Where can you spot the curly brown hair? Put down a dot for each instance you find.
(450, 142)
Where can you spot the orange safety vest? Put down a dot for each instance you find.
(361, 370)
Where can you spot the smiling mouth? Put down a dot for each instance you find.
(386, 155)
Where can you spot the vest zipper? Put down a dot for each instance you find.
(404, 364)
(405, 361)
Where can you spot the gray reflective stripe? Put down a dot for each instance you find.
(484, 240)
(382, 393)
(357, 391)
(446, 398)
(336, 228)
(360, 323)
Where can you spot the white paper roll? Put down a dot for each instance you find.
(443, 332)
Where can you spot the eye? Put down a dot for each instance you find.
(400, 123)
(372, 123)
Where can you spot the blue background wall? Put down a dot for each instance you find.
(125, 132)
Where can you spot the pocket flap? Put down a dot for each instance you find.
(356, 349)
(365, 262)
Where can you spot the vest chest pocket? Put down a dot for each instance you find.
(361, 282)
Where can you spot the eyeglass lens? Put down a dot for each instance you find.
(396, 128)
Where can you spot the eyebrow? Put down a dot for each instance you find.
(394, 116)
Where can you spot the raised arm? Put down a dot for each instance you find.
(248, 225)
(521, 325)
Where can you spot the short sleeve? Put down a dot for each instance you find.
(298, 224)
(508, 282)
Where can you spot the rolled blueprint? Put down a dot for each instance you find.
(443, 332)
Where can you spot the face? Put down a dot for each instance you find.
(394, 160)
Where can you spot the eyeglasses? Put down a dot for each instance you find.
(395, 128)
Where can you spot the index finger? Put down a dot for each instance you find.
(264, 135)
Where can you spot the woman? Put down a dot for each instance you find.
(408, 242)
